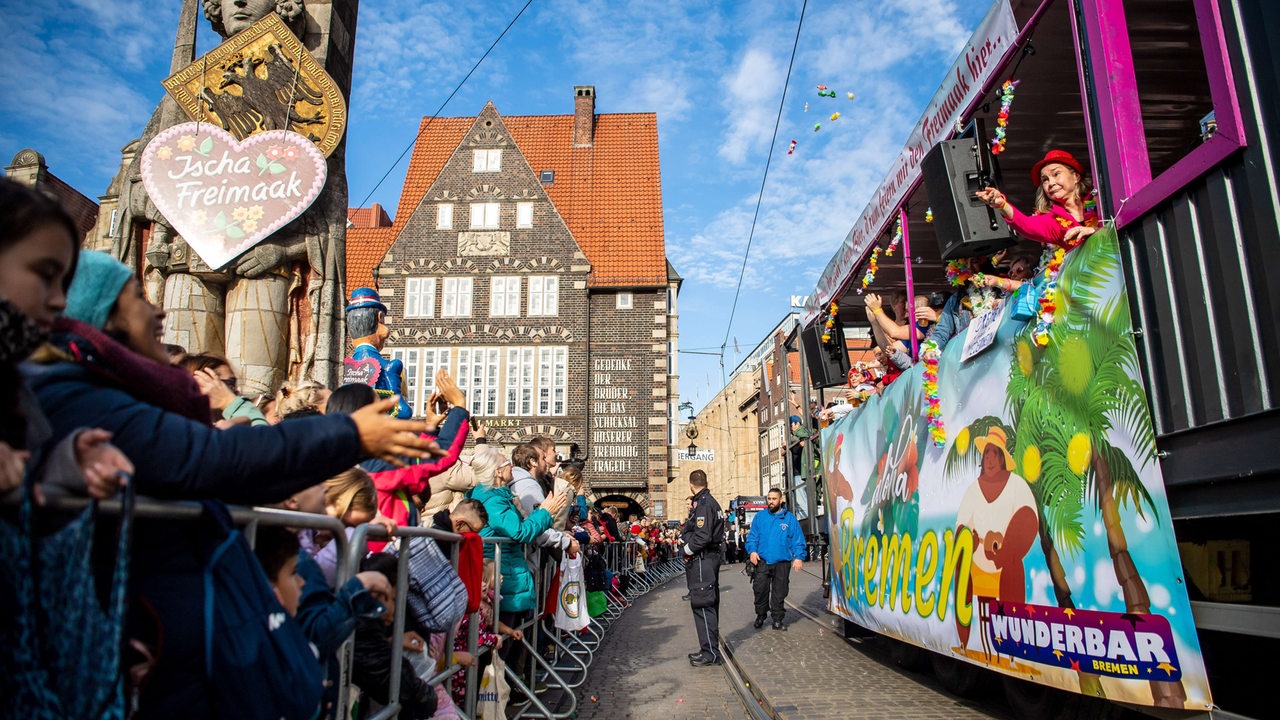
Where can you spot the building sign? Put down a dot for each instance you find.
(1037, 542)
(963, 84)
(224, 196)
(262, 79)
(708, 455)
(619, 447)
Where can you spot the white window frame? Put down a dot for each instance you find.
(544, 295)
(420, 366)
(486, 216)
(624, 300)
(479, 373)
(486, 160)
(671, 300)
(419, 297)
(444, 216)
(504, 296)
(455, 297)
(553, 368)
(519, 382)
(524, 214)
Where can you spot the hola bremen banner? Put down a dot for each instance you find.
(1037, 541)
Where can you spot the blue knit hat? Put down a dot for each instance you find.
(93, 292)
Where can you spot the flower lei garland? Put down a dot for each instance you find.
(982, 299)
(929, 354)
(831, 322)
(1002, 118)
(959, 271)
(1048, 300)
(870, 276)
(897, 238)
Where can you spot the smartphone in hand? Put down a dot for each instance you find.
(475, 424)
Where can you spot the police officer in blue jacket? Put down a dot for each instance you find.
(703, 537)
(777, 548)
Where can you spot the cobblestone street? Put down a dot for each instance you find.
(808, 671)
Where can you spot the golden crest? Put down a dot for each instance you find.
(262, 79)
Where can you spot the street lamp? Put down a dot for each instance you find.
(693, 450)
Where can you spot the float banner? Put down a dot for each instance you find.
(1128, 645)
(961, 86)
(1036, 541)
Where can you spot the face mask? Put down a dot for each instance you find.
(19, 334)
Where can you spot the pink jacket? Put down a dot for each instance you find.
(1051, 227)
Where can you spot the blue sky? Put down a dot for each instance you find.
(83, 76)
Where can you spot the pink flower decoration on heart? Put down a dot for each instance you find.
(186, 142)
(275, 152)
(291, 153)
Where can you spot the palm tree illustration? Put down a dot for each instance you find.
(1067, 404)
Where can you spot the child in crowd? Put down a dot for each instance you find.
(371, 664)
(277, 551)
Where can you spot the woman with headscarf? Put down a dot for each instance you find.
(106, 366)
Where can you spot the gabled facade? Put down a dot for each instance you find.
(527, 256)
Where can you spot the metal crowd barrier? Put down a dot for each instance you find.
(570, 654)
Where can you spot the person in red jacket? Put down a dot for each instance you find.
(397, 485)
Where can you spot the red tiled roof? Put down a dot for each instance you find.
(369, 217)
(609, 194)
(81, 209)
(366, 246)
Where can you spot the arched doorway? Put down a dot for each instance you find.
(626, 506)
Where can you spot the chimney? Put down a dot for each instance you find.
(584, 115)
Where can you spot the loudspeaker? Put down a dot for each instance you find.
(828, 362)
(953, 171)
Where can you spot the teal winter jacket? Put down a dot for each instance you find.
(505, 521)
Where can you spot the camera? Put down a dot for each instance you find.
(573, 460)
(937, 299)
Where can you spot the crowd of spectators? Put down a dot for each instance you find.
(94, 401)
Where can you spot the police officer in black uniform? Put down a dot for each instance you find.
(703, 538)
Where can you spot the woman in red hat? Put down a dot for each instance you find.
(1065, 213)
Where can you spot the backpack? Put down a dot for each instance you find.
(437, 599)
(257, 658)
(595, 574)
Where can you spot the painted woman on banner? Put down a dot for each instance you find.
(276, 310)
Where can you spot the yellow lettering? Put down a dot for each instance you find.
(926, 568)
(847, 547)
(869, 563)
(955, 574)
(895, 564)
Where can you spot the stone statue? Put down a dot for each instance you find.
(366, 321)
(275, 310)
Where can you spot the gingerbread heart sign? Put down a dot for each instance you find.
(225, 196)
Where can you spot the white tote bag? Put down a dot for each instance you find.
(491, 701)
(571, 605)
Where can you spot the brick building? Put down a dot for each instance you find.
(527, 255)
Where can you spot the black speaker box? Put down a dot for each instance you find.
(953, 171)
(828, 362)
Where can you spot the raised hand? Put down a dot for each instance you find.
(387, 438)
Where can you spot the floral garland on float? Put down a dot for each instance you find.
(1002, 118)
(929, 354)
(897, 238)
(870, 275)
(830, 323)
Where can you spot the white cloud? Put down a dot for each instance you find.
(751, 103)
